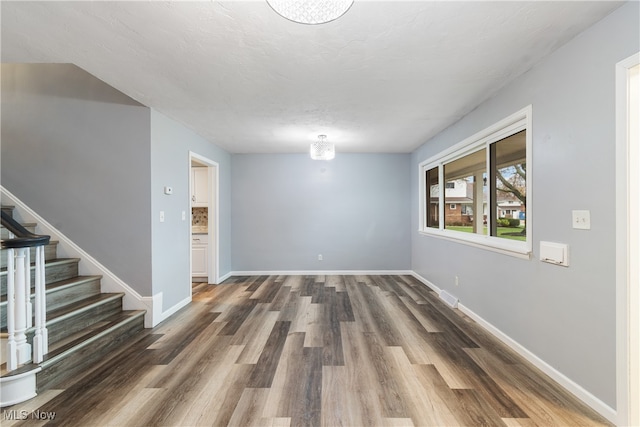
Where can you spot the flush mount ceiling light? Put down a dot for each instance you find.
(310, 11)
(322, 149)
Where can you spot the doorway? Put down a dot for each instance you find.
(204, 230)
(628, 239)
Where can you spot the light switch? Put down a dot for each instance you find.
(161, 216)
(554, 253)
(184, 215)
(581, 220)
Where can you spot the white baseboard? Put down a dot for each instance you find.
(426, 282)
(225, 277)
(158, 315)
(132, 300)
(572, 387)
(155, 315)
(318, 273)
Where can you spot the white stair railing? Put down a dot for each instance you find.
(19, 307)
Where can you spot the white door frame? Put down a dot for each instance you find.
(627, 249)
(213, 263)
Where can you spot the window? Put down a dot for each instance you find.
(432, 202)
(486, 174)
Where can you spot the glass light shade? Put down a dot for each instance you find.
(322, 149)
(310, 11)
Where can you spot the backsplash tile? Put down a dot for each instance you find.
(199, 217)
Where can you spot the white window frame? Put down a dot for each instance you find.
(520, 120)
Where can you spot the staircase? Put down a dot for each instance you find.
(83, 323)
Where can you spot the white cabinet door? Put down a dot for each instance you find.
(200, 189)
(199, 253)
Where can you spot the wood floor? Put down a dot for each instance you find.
(316, 350)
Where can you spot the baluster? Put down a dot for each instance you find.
(27, 289)
(18, 347)
(41, 337)
(12, 352)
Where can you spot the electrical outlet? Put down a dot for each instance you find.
(319, 257)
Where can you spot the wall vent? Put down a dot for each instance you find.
(449, 299)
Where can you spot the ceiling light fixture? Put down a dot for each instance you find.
(322, 149)
(310, 11)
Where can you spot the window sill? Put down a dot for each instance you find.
(513, 248)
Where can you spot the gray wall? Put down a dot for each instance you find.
(354, 210)
(170, 146)
(77, 152)
(566, 316)
(94, 163)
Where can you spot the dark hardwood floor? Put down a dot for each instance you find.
(315, 350)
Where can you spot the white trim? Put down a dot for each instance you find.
(433, 287)
(481, 241)
(627, 253)
(582, 394)
(18, 388)
(516, 122)
(213, 261)
(154, 313)
(225, 277)
(318, 272)
(159, 315)
(497, 131)
(89, 266)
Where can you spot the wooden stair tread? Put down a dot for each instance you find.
(77, 307)
(49, 263)
(84, 324)
(111, 323)
(21, 370)
(25, 224)
(70, 282)
(59, 285)
(81, 305)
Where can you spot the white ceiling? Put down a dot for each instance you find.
(385, 77)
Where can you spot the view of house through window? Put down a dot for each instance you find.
(484, 187)
(433, 198)
(468, 175)
(509, 157)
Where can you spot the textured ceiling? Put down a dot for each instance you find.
(385, 77)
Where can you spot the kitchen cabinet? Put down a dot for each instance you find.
(199, 255)
(199, 187)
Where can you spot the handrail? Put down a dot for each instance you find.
(24, 238)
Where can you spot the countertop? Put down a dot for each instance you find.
(199, 230)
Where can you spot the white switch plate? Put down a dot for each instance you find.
(581, 220)
(184, 215)
(161, 216)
